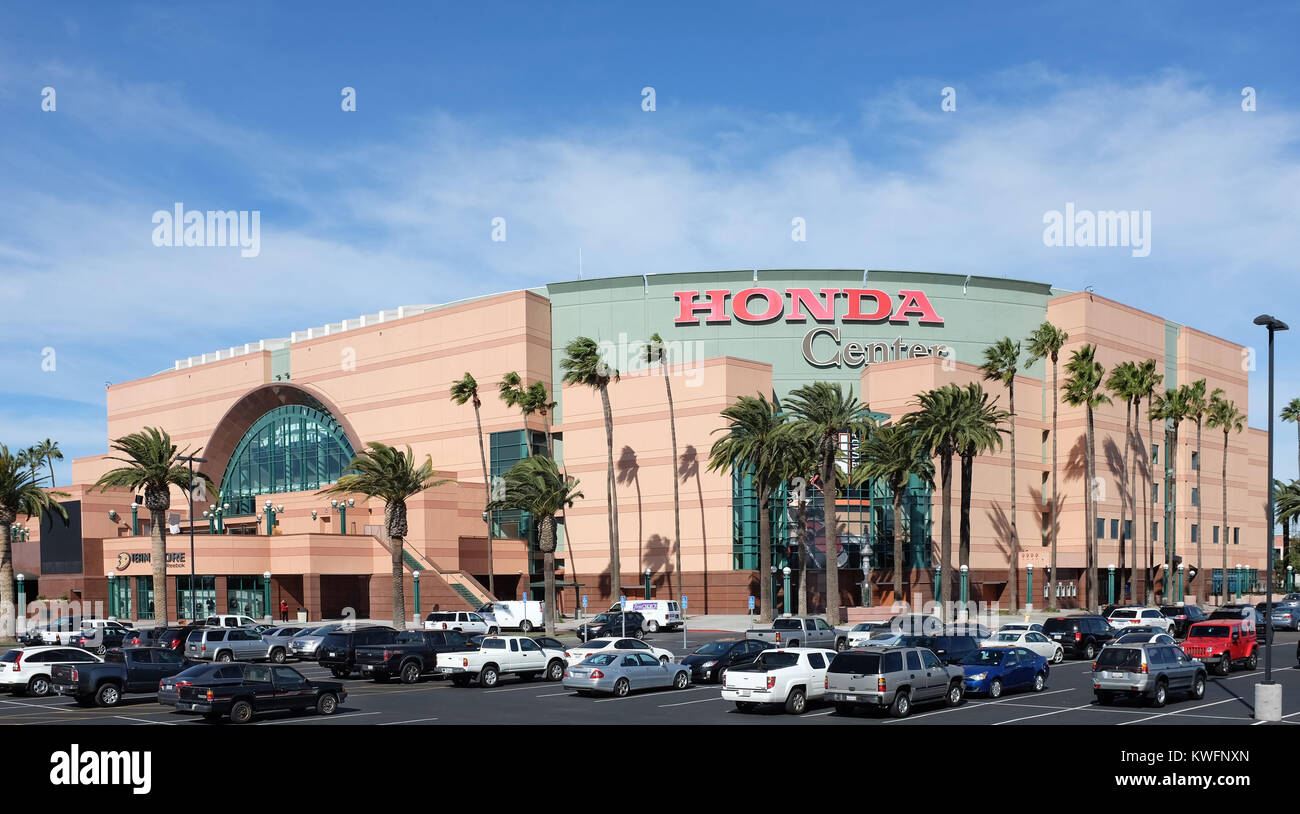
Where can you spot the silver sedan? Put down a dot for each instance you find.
(618, 673)
(303, 646)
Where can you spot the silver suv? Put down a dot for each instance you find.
(892, 678)
(226, 644)
(1149, 671)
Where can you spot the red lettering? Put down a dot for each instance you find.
(916, 304)
(817, 309)
(715, 307)
(856, 295)
(740, 305)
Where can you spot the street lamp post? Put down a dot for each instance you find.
(415, 575)
(773, 584)
(112, 597)
(191, 459)
(786, 572)
(21, 616)
(1181, 567)
(342, 506)
(1290, 578)
(646, 574)
(135, 519)
(1110, 584)
(1236, 583)
(1029, 587)
(964, 571)
(1268, 694)
(266, 593)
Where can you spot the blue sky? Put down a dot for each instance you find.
(532, 112)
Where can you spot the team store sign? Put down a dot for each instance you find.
(869, 306)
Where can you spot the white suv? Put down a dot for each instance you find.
(464, 621)
(28, 669)
(1123, 618)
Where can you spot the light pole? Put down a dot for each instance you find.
(964, 572)
(773, 584)
(20, 618)
(1290, 578)
(1236, 583)
(1268, 694)
(266, 593)
(191, 459)
(647, 583)
(342, 506)
(112, 597)
(415, 575)
(1181, 568)
(786, 572)
(1110, 584)
(135, 517)
(1029, 587)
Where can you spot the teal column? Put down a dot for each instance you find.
(1110, 584)
(112, 597)
(21, 616)
(938, 580)
(964, 575)
(1029, 586)
(1180, 582)
(786, 572)
(135, 520)
(266, 593)
(343, 519)
(415, 575)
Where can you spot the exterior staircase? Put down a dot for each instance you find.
(459, 584)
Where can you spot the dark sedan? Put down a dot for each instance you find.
(202, 674)
(710, 661)
(613, 624)
(101, 640)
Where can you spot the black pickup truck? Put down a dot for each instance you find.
(413, 654)
(133, 670)
(264, 688)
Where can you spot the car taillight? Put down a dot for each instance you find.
(82, 641)
(135, 640)
(387, 655)
(597, 674)
(444, 625)
(826, 683)
(880, 684)
(778, 637)
(1094, 666)
(464, 662)
(18, 661)
(176, 643)
(1144, 669)
(74, 673)
(1078, 636)
(209, 695)
(771, 682)
(180, 684)
(160, 683)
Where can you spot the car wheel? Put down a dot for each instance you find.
(241, 712)
(525, 626)
(845, 709)
(1089, 650)
(108, 695)
(327, 704)
(902, 706)
(638, 634)
(1058, 656)
(225, 655)
(1161, 696)
(555, 670)
(1198, 687)
(410, 672)
(796, 702)
(1040, 681)
(101, 650)
(622, 687)
(793, 643)
(664, 660)
(489, 677)
(492, 631)
(277, 655)
(1105, 697)
(1224, 666)
(339, 672)
(1252, 662)
(955, 694)
(995, 688)
(745, 706)
(652, 626)
(680, 680)
(841, 644)
(39, 686)
(721, 676)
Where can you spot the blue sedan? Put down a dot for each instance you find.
(991, 670)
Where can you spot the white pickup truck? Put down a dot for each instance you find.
(791, 677)
(498, 656)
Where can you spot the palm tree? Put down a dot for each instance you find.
(1224, 415)
(47, 452)
(936, 424)
(979, 431)
(1123, 384)
(1197, 405)
(654, 354)
(894, 454)
(582, 364)
(539, 401)
(1045, 343)
(826, 414)
(751, 447)
(1148, 381)
(152, 464)
(797, 464)
(1286, 504)
(463, 391)
(1291, 412)
(1172, 409)
(389, 474)
(1001, 361)
(512, 391)
(1083, 389)
(535, 485)
(20, 491)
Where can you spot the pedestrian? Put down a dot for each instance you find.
(284, 611)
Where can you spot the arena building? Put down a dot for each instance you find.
(278, 419)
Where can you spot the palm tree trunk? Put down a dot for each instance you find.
(832, 540)
(611, 499)
(487, 487)
(1056, 400)
(546, 420)
(945, 533)
(546, 542)
(1124, 495)
(1090, 513)
(158, 563)
(1223, 585)
(764, 552)
(967, 475)
(801, 538)
(1013, 566)
(1151, 514)
(677, 504)
(8, 591)
(50, 461)
(1200, 499)
(898, 543)
(399, 589)
(1135, 443)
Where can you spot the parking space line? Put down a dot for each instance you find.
(697, 701)
(511, 689)
(651, 695)
(412, 721)
(818, 714)
(50, 707)
(554, 694)
(970, 706)
(310, 720)
(143, 721)
(1177, 711)
(1041, 715)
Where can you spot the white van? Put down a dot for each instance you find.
(513, 613)
(660, 614)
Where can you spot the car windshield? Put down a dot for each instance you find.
(986, 656)
(714, 649)
(409, 637)
(1133, 638)
(1009, 636)
(1125, 658)
(1171, 610)
(1208, 632)
(1124, 614)
(787, 624)
(1059, 626)
(861, 626)
(881, 635)
(10, 656)
(856, 663)
(600, 659)
(775, 660)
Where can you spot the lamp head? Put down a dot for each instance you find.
(334, 504)
(351, 502)
(266, 574)
(1271, 322)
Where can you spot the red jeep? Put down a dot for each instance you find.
(1221, 642)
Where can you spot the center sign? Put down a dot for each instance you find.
(865, 305)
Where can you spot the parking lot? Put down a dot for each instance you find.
(1067, 699)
